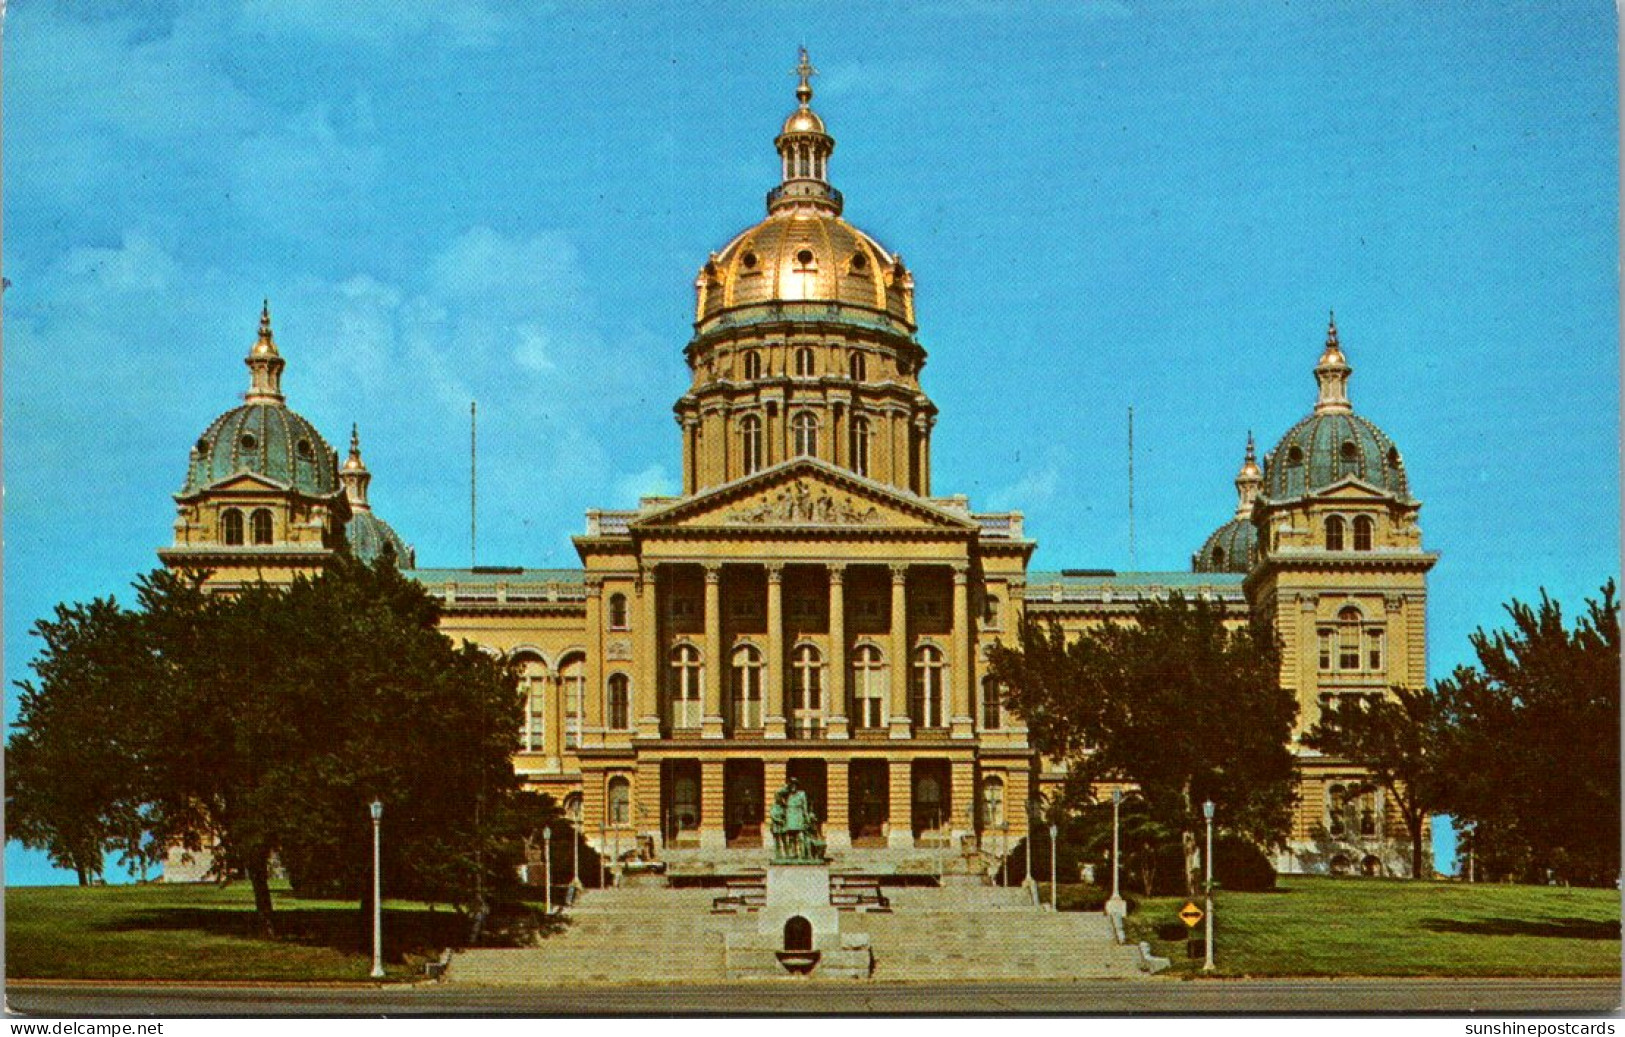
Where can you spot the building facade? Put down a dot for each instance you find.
(810, 606)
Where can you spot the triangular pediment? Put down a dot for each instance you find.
(243, 482)
(804, 494)
(1350, 488)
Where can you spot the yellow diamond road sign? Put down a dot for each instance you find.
(1190, 914)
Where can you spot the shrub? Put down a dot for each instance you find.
(1239, 865)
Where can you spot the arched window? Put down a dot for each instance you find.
(805, 365)
(620, 801)
(1371, 866)
(573, 685)
(750, 443)
(747, 687)
(868, 688)
(533, 685)
(1363, 528)
(687, 677)
(617, 612)
(1348, 638)
(1336, 805)
(231, 527)
(992, 713)
(260, 523)
(1218, 558)
(753, 365)
(992, 802)
(856, 365)
(860, 445)
(572, 809)
(925, 691)
(806, 691)
(620, 702)
(1340, 865)
(804, 432)
(990, 611)
(1334, 534)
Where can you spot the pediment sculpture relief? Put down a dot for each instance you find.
(800, 507)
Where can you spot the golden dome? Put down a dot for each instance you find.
(803, 120)
(805, 255)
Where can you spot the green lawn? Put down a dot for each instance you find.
(207, 932)
(1377, 927)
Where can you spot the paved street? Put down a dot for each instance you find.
(1500, 996)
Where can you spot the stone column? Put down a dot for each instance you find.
(691, 452)
(898, 671)
(646, 646)
(835, 682)
(592, 668)
(711, 716)
(773, 723)
(900, 808)
(712, 835)
(922, 425)
(962, 794)
(837, 795)
(961, 683)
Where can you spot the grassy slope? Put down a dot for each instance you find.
(1323, 927)
(206, 932)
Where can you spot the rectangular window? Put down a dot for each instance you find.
(1374, 651)
(1348, 650)
(1325, 649)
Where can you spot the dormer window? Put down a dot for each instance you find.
(1363, 527)
(753, 365)
(749, 262)
(261, 525)
(305, 450)
(860, 262)
(805, 365)
(247, 441)
(1334, 533)
(858, 367)
(231, 528)
(806, 260)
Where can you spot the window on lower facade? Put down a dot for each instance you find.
(620, 702)
(992, 712)
(533, 685)
(993, 803)
(687, 678)
(573, 683)
(806, 692)
(868, 688)
(925, 694)
(620, 801)
(747, 687)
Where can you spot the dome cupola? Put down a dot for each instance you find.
(804, 149)
(366, 533)
(1333, 443)
(1230, 548)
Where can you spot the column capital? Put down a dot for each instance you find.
(713, 571)
(647, 571)
(594, 582)
(775, 571)
(837, 572)
(899, 572)
(961, 573)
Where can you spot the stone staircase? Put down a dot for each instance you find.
(643, 935)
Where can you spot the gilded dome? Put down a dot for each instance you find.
(805, 255)
(1228, 550)
(268, 440)
(367, 534)
(803, 120)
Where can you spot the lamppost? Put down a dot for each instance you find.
(603, 844)
(1207, 961)
(1054, 882)
(377, 893)
(1004, 851)
(1032, 815)
(547, 865)
(1116, 906)
(575, 850)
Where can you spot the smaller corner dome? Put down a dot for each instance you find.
(367, 534)
(265, 439)
(1326, 448)
(1229, 549)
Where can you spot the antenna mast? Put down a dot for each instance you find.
(473, 486)
(1131, 563)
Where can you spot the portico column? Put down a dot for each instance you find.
(959, 660)
(711, 719)
(835, 686)
(647, 641)
(592, 668)
(837, 794)
(712, 833)
(773, 724)
(899, 721)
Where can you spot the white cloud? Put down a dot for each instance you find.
(653, 481)
(381, 23)
(304, 178)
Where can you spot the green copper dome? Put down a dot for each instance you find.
(1325, 448)
(1228, 550)
(268, 440)
(367, 534)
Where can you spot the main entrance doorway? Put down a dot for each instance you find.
(930, 815)
(680, 802)
(742, 802)
(867, 796)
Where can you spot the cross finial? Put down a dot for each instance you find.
(265, 319)
(804, 68)
(1252, 457)
(1331, 327)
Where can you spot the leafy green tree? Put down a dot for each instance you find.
(1175, 702)
(1529, 753)
(1395, 741)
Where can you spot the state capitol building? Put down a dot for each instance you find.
(811, 605)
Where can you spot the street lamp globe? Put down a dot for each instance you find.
(377, 810)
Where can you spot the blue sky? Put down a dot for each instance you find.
(1105, 204)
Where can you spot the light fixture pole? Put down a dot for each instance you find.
(377, 809)
(1032, 815)
(1054, 883)
(1207, 961)
(547, 865)
(575, 851)
(1004, 851)
(1116, 906)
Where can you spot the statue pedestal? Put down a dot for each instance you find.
(800, 890)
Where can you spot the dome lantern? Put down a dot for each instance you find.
(354, 475)
(265, 364)
(804, 148)
(1332, 373)
(1249, 481)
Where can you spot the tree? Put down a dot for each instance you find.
(260, 725)
(1174, 702)
(1394, 740)
(1529, 754)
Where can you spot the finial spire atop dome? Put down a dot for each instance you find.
(804, 149)
(1332, 373)
(265, 363)
(354, 475)
(1248, 481)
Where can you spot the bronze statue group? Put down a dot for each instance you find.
(794, 824)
